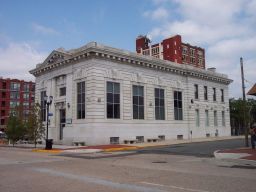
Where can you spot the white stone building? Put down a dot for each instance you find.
(104, 95)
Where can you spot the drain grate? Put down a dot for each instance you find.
(159, 162)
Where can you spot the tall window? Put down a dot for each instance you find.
(205, 93)
(81, 100)
(26, 87)
(197, 118)
(138, 102)
(214, 94)
(206, 118)
(178, 114)
(25, 96)
(25, 104)
(14, 104)
(15, 86)
(15, 95)
(196, 91)
(62, 91)
(223, 118)
(113, 100)
(222, 95)
(159, 104)
(215, 119)
(43, 107)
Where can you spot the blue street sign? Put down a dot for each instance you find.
(50, 114)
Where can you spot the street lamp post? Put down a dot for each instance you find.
(48, 102)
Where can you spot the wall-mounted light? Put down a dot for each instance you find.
(68, 105)
(99, 100)
(150, 104)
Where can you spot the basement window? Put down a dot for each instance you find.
(114, 140)
(140, 139)
(180, 137)
(161, 137)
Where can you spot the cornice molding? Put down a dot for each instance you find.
(98, 51)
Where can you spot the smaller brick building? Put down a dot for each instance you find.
(172, 49)
(14, 92)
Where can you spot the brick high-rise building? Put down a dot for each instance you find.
(172, 49)
(14, 92)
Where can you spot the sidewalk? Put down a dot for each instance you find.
(117, 147)
(243, 153)
(239, 154)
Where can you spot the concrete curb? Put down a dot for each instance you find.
(224, 155)
(234, 157)
(121, 149)
(54, 151)
(84, 151)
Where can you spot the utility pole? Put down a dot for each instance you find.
(244, 104)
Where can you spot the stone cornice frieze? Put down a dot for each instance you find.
(98, 51)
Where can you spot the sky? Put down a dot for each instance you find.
(226, 29)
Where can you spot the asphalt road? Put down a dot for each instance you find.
(22, 170)
(201, 149)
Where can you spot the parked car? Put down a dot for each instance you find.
(3, 135)
(3, 138)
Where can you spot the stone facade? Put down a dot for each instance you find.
(96, 64)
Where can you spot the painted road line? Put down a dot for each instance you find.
(97, 181)
(173, 187)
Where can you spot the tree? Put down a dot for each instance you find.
(237, 115)
(252, 110)
(242, 115)
(34, 127)
(15, 127)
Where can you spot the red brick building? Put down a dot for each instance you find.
(172, 49)
(14, 92)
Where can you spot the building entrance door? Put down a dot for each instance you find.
(62, 121)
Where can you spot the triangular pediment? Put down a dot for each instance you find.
(56, 56)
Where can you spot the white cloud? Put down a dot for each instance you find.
(154, 33)
(213, 12)
(158, 14)
(17, 59)
(231, 47)
(226, 29)
(251, 7)
(159, 1)
(44, 30)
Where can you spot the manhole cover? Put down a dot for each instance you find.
(159, 162)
